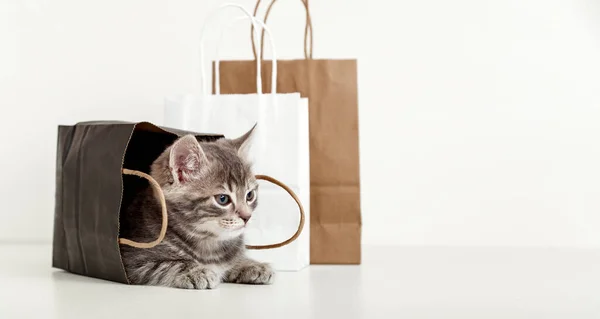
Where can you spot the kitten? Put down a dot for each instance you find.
(211, 193)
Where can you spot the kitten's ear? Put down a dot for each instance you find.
(242, 143)
(186, 158)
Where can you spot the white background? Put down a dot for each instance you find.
(479, 120)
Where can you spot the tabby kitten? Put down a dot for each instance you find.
(210, 193)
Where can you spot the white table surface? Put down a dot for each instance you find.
(393, 282)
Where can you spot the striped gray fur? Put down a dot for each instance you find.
(201, 249)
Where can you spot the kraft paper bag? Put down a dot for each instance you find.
(331, 89)
(279, 148)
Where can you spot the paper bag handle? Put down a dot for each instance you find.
(301, 209)
(204, 83)
(165, 218)
(163, 205)
(308, 28)
(253, 21)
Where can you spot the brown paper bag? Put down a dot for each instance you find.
(331, 88)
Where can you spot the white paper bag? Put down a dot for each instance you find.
(279, 149)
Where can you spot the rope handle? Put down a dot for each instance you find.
(163, 204)
(163, 230)
(308, 28)
(300, 225)
(255, 23)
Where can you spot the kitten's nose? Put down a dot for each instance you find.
(244, 216)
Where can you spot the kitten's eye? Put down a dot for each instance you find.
(223, 199)
(250, 196)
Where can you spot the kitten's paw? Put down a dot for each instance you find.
(199, 278)
(255, 273)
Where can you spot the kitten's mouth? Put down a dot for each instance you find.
(232, 223)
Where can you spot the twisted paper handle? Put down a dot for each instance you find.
(163, 204)
(308, 31)
(165, 219)
(300, 225)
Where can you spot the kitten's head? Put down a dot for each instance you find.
(209, 187)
